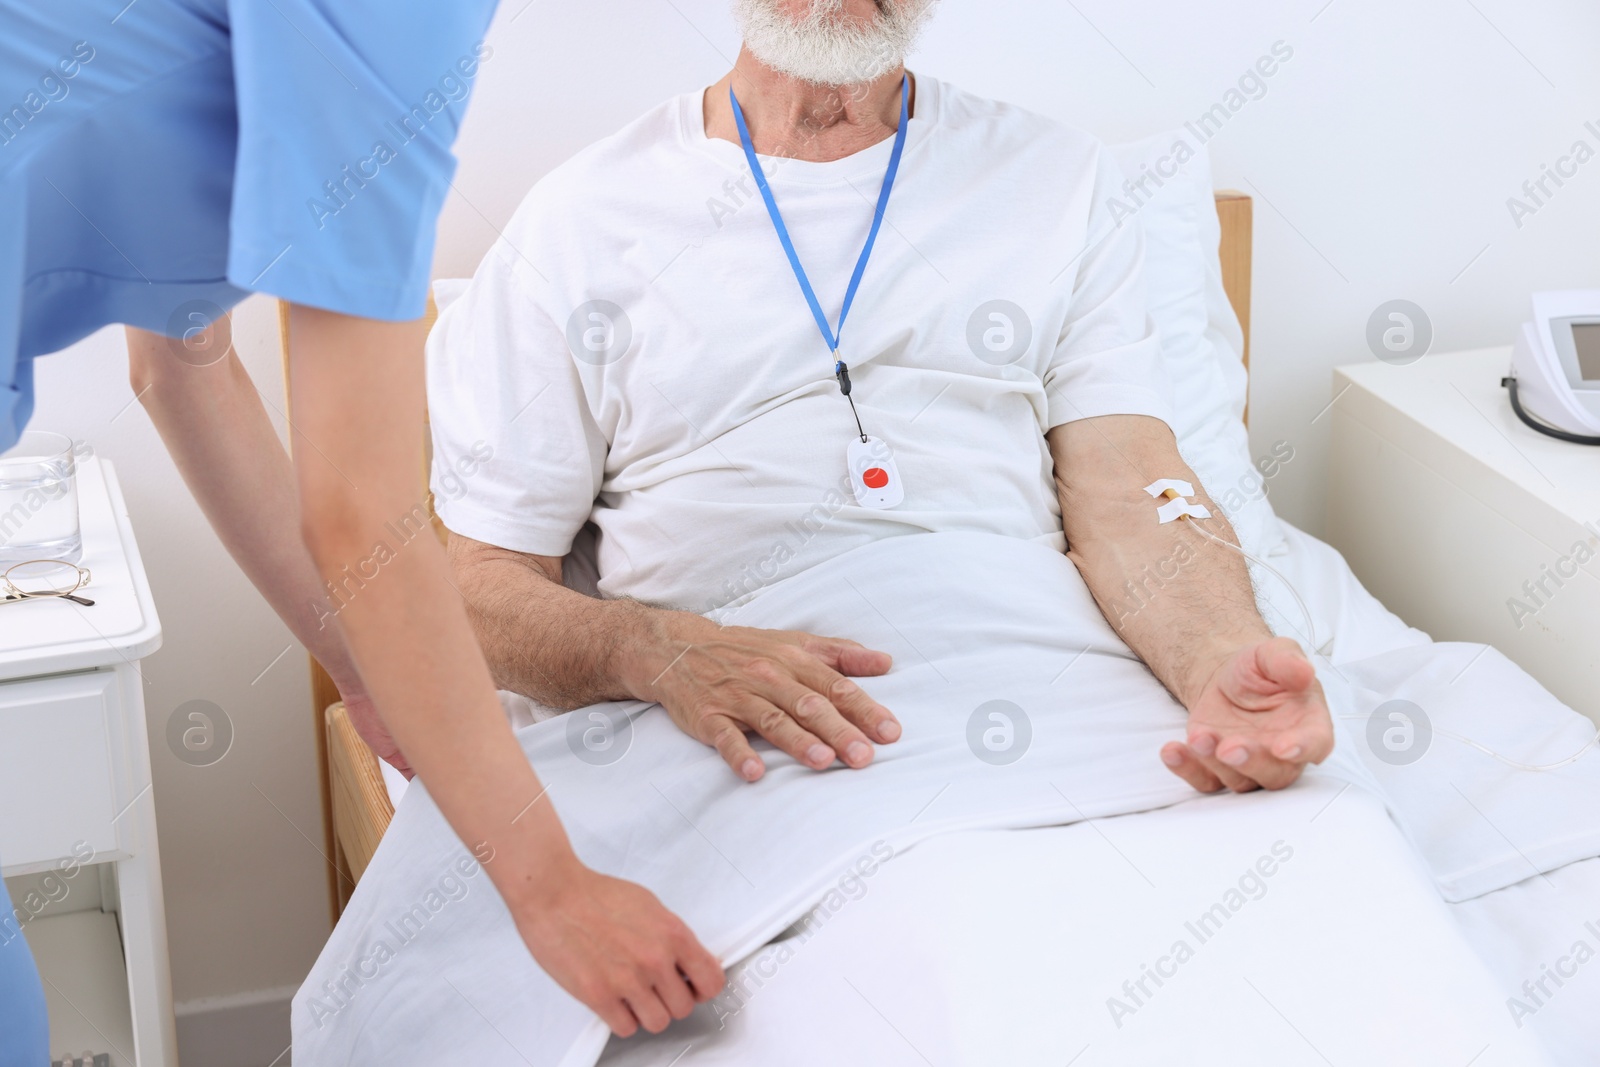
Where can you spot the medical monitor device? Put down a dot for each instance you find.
(1555, 366)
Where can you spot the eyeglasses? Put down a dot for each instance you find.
(37, 579)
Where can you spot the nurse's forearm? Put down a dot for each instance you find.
(358, 400)
(209, 415)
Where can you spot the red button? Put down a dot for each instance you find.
(875, 477)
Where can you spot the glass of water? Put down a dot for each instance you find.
(39, 499)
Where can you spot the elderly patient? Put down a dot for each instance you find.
(665, 353)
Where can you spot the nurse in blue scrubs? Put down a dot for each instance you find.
(161, 159)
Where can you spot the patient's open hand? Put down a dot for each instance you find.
(721, 682)
(1257, 722)
(615, 947)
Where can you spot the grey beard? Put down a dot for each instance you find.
(823, 48)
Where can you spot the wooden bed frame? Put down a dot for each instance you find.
(355, 805)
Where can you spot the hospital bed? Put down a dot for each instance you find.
(1518, 932)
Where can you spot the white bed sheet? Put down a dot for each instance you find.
(1053, 920)
(1044, 947)
(1514, 930)
(1525, 932)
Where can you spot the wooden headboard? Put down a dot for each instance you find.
(355, 805)
(1236, 213)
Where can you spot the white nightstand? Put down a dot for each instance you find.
(75, 796)
(1465, 522)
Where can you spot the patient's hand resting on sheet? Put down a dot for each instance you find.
(1261, 715)
(1257, 715)
(719, 683)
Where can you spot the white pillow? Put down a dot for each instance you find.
(1202, 343)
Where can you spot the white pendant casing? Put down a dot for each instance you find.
(873, 474)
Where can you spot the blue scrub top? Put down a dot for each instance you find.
(159, 159)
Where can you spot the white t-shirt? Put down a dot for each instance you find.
(636, 352)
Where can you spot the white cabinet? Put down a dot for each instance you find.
(1465, 522)
(65, 723)
(76, 808)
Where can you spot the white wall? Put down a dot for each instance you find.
(1381, 157)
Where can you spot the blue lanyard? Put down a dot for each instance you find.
(828, 335)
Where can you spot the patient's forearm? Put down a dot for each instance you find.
(546, 641)
(718, 684)
(1180, 601)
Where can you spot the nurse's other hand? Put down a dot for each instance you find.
(364, 717)
(1260, 718)
(721, 683)
(614, 946)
